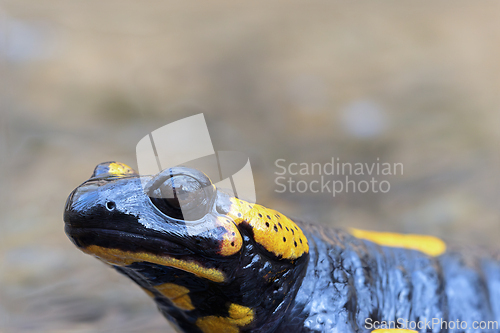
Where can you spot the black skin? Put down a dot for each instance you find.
(342, 285)
(116, 213)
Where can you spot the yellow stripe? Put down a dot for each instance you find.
(124, 258)
(430, 245)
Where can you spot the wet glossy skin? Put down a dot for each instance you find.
(230, 266)
(205, 275)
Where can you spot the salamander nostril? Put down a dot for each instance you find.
(110, 205)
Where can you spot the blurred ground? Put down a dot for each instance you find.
(82, 82)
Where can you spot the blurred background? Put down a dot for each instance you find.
(82, 82)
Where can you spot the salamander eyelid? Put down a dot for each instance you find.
(158, 179)
(164, 175)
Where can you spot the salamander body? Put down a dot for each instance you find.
(216, 263)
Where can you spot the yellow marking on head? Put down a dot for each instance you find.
(120, 169)
(274, 231)
(239, 316)
(430, 245)
(124, 258)
(231, 240)
(177, 294)
(393, 330)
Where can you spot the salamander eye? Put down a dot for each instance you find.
(179, 196)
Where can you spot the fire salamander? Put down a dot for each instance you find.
(234, 266)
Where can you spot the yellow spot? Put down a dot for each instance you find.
(231, 240)
(183, 302)
(120, 169)
(394, 330)
(430, 245)
(177, 294)
(124, 258)
(274, 231)
(239, 316)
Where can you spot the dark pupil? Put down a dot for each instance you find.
(180, 197)
(173, 202)
(170, 193)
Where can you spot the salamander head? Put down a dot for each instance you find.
(211, 262)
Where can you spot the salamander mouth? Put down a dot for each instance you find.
(84, 237)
